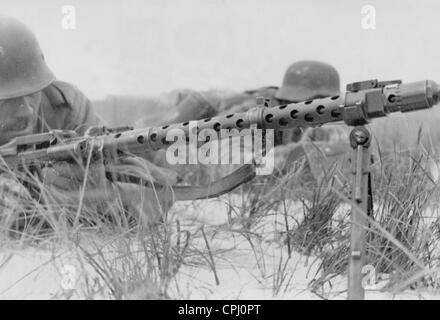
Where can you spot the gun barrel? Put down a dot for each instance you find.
(352, 107)
(362, 102)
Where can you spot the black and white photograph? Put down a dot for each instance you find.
(219, 154)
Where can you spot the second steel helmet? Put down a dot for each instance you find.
(305, 80)
(22, 67)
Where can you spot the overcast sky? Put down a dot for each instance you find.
(145, 47)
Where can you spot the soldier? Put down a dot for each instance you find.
(303, 80)
(33, 101)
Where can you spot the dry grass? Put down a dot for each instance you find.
(402, 240)
(128, 260)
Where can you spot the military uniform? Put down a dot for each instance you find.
(193, 105)
(207, 104)
(32, 101)
(302, 81)
(64, 106)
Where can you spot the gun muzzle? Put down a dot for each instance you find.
(411, 96)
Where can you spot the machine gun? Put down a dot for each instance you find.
(361, 102)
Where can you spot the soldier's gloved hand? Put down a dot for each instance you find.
(147, 205)
(144, 203)
(69, 185)
(70, 176)
(143, 168)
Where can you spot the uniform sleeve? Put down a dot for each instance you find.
(196, 106)
(83, 116)
(78, 113)
(242, 102)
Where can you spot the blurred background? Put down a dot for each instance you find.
(122, 49)
(146, 47)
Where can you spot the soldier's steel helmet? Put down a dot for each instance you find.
(22, 67)
(305, 80)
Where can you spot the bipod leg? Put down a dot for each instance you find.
(361, 205)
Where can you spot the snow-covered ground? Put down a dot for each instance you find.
(243, 271)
